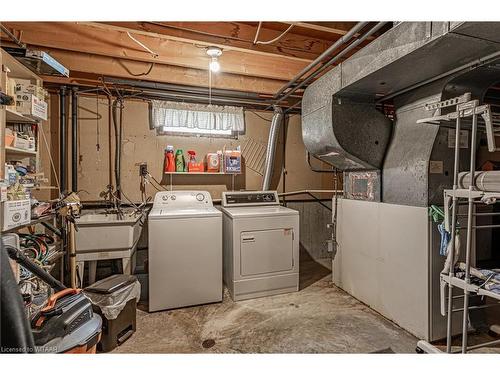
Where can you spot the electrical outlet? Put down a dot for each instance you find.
(143, 169)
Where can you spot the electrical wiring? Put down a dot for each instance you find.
(257, 33)
(154, 54)
(151, 66)
(154, 179)
(277, 38)
(154, 187)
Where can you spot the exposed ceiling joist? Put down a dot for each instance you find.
(313, 26)
(88, 67)
(323, 28)
(116, 43)
(233, 35)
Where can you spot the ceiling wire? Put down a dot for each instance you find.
(154, 54)
(225, 37)
(257, 33)
(277, 38)
(151, 66)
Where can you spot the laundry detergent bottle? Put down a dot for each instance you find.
(180, 162)
(169, 159)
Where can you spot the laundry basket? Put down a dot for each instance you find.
(115, 299)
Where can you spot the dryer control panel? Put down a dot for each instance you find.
(250, 198)
(182, 199)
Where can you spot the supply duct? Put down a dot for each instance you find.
(413, 63)
(274, 131)
(382, 244)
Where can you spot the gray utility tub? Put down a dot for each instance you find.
(100, 231)
(105, 236)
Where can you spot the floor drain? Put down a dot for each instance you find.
(208, 343)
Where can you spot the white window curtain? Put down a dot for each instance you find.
(196, 118)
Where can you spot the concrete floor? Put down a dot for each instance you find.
(320, 318)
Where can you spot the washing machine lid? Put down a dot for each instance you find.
(258, 211)
(183, 213)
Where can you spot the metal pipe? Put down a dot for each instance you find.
(74, 139)
(12, 36)
(110, 143)
(182, 88)
(474, 64)
(271, 147)
(349, 35)
(62, 139)
(301, 192)
(117, 123)
(485, 344)
(333, 60)
(310, 193)
(486, 226)
(451, 270)
(468, 247)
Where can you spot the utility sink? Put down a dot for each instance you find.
(101, 231)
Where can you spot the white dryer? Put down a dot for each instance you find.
(185, 250)
(261, 245)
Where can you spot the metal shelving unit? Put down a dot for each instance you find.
(464, 108)
(35, 221)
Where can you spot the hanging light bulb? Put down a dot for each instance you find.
(214, 65)
(214, 53)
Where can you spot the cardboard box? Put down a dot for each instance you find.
(30, 105)
(213, 162)
(232, 161)
(16, 213)
(196, 167)
(24, 86)
(24, 144)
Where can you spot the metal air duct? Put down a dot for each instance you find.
(271, 147)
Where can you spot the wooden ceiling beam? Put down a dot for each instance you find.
(233, 35)
(86, 38)
(88, 67)
(324, 29)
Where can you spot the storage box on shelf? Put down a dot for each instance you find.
(30, 105)
(16, 213)
(18, 143)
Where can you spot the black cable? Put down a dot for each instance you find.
(137, 74)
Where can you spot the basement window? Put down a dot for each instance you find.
(172, 118)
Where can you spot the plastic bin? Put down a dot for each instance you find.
(115, 299)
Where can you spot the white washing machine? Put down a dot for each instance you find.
(261, 245)
(185, 250)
